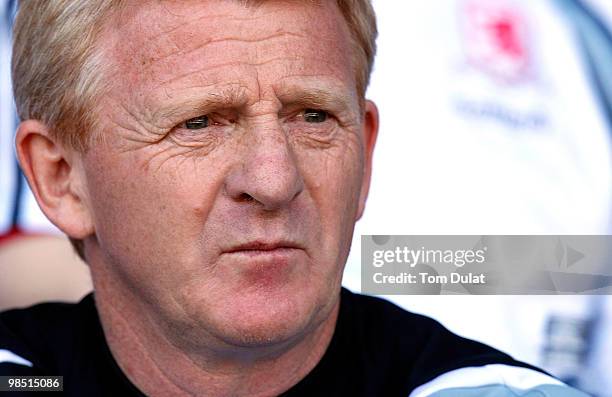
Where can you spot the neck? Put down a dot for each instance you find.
(159, 368)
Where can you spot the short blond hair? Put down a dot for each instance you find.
(58, 71)
(56, 67)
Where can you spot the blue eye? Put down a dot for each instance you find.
(197, 123)
(315, 115)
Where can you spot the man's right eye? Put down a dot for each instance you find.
(197, 123)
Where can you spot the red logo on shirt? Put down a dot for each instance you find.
(496, 39)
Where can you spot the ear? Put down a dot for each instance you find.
(56, 178)
(370, 133)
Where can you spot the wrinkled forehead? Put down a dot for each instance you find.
(188, 43)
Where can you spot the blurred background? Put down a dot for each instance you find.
(496, 118)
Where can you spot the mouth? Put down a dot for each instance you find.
(255, 248)
(265, 262)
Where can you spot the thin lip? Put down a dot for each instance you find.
(261, 246)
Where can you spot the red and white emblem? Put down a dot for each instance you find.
(496, 39)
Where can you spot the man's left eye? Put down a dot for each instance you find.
(197, 123)
(315, 115)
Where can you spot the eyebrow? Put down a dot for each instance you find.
(205, 100)
(329, 98)
(315, 98)
(234, 96)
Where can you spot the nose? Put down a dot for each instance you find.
(267, 173)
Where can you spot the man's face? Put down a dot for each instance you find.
(225, 190)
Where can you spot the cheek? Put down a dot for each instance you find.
(148, 216)
(334, 179)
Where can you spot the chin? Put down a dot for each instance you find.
(254, 311)
(258, 319)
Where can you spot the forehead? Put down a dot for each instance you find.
(163, 46)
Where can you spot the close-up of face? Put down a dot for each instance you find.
(233, 161)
